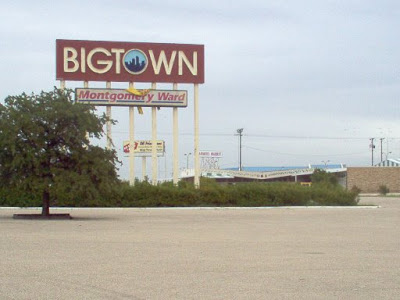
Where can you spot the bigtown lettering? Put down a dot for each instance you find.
(118, 61)
(72, 64)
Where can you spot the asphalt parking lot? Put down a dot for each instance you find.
(276, 253)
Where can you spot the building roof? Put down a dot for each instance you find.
(264, 173)
(270, 169)
(390, 162)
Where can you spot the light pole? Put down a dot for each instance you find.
(240, 133)
(381, 149)
(325, 162)
(387, 154)
(187, 160)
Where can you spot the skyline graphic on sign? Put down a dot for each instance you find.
(135, 61)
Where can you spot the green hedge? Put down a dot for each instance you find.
(143, 194)
(16, 198)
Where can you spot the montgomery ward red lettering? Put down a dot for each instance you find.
(171, 97)
(119, 97)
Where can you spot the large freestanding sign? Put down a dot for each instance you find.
(129, 62)
(106, 61)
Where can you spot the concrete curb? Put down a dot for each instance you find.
(195, 208)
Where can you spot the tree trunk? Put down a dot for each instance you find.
(46, 203)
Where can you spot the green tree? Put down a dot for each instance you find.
(321, 176)
(45, 150)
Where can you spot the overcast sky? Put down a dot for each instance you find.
(309, 81)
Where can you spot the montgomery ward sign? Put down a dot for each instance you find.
(129, 62)
(119, 97)
(144, 148)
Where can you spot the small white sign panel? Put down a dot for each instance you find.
(144, 148)
(210, 153)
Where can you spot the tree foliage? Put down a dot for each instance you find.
(323, 177)
(45, 149)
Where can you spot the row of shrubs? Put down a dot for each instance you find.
(143, 194)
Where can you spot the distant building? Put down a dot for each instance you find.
(370, 179)
(268, 174)
(366, 179)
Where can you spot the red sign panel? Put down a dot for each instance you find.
(129, 62)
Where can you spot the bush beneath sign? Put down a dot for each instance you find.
(211, 194)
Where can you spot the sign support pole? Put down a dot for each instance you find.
(154, 142)
(175, 153)
(144, 168)
(196, 137)
(62, 84)
(131, 143)
(108, 125)
(86, 85)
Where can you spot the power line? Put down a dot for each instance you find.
(292, 154)
(313, 137)
(262, 136)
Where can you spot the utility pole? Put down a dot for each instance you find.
(381, 149)
(372, 151)
(240, 133)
